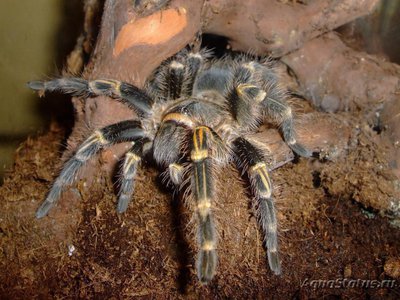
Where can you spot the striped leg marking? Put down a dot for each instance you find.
(129, 94)
(202, 187)
(128, 174)
(107, 136)
(240, 107)
(251, 160)
(262, 187)
(282, 112)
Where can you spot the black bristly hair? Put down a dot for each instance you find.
(194, 116)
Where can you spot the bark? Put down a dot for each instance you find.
(336, 78)
(279, 27)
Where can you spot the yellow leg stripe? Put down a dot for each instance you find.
(195, 144)
(261, 170)
(196, 179)
(132, 156)
(203, 207)
(79, 155)
(130, 159)
(241, 87)
(100, 137)
(204, 185)
(208, 246)
(257, 166)
(205, 203)
(198, 155)
(116, 85)
(266, 181)
(205, 128)
(198, 136)
(96, 137)
(203, 173)
(258, 98)
(201, 181)
(200, 147)
(180, 119)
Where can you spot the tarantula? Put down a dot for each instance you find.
(195, 115)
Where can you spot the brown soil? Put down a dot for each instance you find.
(328, 231)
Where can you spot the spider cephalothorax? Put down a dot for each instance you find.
(194, 116)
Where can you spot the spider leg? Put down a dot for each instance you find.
(177, 77)
(243, 97)
(170, 136)
(168, 143)
(248, 100)
(127, 93)
(281, 111)
(128, 173)
(203, 191)
(169, 80)
(251, 160)
(194, 63)
(175, 171)
(107, 136)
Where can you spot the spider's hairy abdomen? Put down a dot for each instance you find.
(195, 115)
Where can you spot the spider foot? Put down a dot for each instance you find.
(206, 265)
(300, 150)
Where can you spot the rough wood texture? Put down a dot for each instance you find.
(279, 27)
(336, 78)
